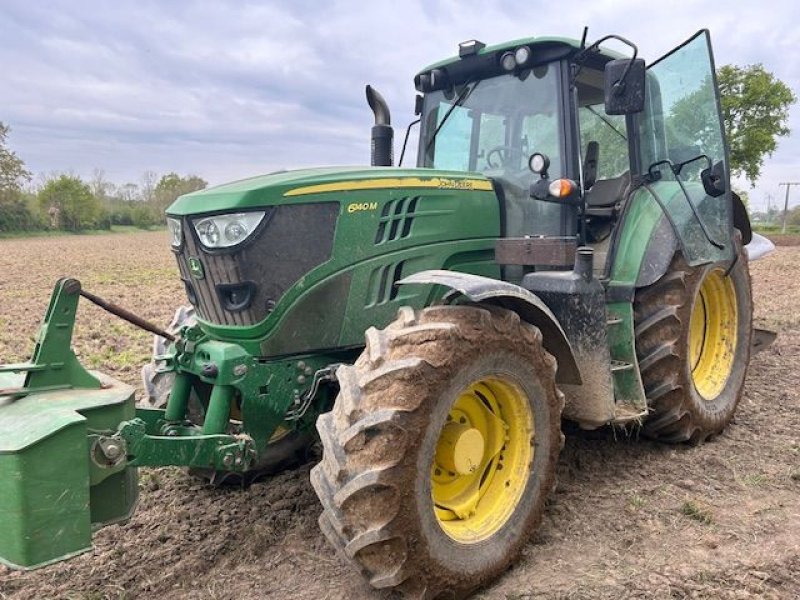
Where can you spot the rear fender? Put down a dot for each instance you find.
(528, 306)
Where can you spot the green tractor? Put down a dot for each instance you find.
(568, 247)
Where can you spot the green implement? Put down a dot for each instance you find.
(62, 475)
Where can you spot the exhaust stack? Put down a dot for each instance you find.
(382, 133)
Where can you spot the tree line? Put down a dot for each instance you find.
(66, 202)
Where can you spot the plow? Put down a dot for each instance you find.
(568, 247)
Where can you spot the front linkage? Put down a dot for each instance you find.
(53, 411)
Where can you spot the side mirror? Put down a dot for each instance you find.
(713, 179)
(624, 86)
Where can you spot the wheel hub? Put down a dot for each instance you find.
(460, 448)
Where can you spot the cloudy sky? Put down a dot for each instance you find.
(231, 89)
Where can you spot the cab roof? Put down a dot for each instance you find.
(567, 43)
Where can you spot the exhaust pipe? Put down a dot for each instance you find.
(382, 152)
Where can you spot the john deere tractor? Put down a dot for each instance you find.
(568, 247)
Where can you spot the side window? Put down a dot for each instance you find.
(609, 132)
(681, 134)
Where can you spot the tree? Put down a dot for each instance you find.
(172, 185)
(148, 186)
(15, 215)
(70, 203)
(755, 109)
(13, 173)
(102, 189)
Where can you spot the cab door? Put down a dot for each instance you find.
(682, 142)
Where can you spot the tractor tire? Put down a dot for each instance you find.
(693, 331)
(286, 449)
(440, 450)
(158, 385)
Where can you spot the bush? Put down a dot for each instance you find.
(16, 216)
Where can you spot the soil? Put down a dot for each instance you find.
(629, 519)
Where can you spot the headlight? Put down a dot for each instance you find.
(224, 231)
(175, 228)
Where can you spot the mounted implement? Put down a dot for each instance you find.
(567, 247)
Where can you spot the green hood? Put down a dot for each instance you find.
(287, 187)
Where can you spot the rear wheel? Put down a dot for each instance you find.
(440, 450)
(693, 335)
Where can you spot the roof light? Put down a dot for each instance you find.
(522, 55)
(508, 62)
(469, 48)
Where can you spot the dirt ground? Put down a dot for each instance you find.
(629, 519)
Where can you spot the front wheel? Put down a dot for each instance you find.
(440, 450)
(693, 337)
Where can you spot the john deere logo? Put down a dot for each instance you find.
(196, 268)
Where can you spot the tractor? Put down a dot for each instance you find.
(567, 247)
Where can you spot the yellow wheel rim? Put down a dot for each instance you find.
(482, 461)
(712, 334)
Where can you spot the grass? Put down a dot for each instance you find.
(117, 359)
(636, 501)
(755, 479)
(692, 510)
(59, 233)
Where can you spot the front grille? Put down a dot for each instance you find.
(241, 286)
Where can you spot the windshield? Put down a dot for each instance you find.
(493, 125)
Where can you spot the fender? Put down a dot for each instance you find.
(663, 244)
(528, 306)
(740, 219)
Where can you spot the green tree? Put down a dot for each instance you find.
(13, 173)
(15, 214)
(172, 185)
(755, 109)
(70, 204)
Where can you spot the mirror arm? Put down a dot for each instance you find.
(405, 141)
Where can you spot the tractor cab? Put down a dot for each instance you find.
(569, 134)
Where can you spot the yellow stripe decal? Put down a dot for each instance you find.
(441, 183)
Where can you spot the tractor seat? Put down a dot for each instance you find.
(603, 201)
(607, 193)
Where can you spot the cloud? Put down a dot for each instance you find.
(232, 89)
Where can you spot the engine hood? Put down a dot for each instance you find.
(288, 187)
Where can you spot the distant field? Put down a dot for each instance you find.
(136, 270)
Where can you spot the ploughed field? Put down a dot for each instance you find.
(629, 518)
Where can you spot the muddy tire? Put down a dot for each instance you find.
(158, 385)
(693, 334)
(412, 403)
(285, 451)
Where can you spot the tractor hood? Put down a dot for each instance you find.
(289, 187)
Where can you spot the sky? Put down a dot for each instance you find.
(227, 90)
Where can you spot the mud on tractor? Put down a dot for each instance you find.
(568, 247)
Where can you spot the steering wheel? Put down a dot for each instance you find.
(499, 150)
